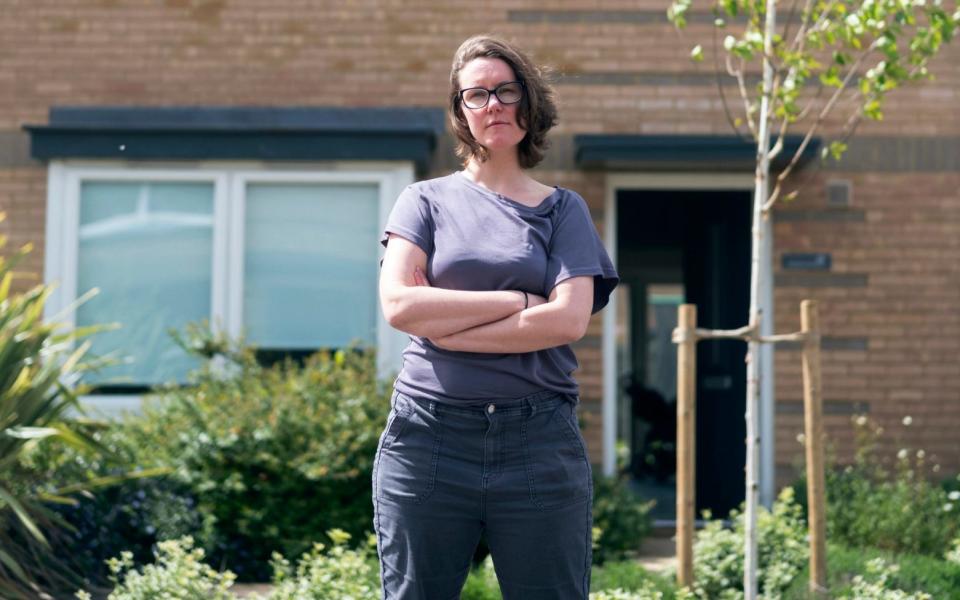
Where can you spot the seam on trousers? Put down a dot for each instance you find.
(589, 542)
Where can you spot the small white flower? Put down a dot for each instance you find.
(936, 468)
(954, 495)
(801, 438)
(907, 420)
(947, 507)
(862, 420)
(902, 455)
(921, 453)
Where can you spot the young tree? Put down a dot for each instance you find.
(828, 58)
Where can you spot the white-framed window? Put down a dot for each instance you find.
(287, 255)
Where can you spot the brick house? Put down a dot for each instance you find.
(236, 160)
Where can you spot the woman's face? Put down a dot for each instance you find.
(495, 125)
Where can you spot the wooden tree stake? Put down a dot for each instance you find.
(686, 449)
(813, 437)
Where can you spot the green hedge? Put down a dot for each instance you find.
(273, 457)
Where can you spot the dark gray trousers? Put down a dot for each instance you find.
(515, 471)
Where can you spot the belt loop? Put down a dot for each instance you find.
(533, 406)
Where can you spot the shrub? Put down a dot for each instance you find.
(781, 547)
(127, 511)
(954, 554)
(132, 515)
(621, 518)
(328, 575)
(888, 502)
(626, 575)
(613, 581)
(274, 457)
(916, 572)
(647, 592)
(333, 573)
(876, 585)
(179, 573)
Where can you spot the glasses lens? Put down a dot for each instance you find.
(475, 98)
(510, 93)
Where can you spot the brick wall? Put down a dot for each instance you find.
(622, 69)
(893, 339)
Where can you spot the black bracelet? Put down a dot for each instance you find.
(526, 300)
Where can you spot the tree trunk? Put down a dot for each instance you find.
(756, 316)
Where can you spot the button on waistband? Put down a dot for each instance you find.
(491, 408)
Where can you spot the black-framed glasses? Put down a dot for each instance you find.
(510, 92)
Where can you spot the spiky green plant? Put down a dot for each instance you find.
(39, 364)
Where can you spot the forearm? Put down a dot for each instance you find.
(537, 328)
(437, 312)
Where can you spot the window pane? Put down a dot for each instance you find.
(310, 265)
(148, 248)
(661, 372)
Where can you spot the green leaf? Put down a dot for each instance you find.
(12, 564)
(837, 149)
(55, 499)
(23, 515)
(677, 13)
(107, 481)
(831, 77)
(871, 110)
(31, 433)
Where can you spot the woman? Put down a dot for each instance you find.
(493, 275)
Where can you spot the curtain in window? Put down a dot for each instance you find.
(148, 247)
(310, 265)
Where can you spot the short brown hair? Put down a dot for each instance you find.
(536, 114)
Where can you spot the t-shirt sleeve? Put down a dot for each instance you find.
(576, 250)
(411, 219)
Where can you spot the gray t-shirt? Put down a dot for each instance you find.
(478, 240)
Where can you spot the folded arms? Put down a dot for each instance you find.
(483, 321)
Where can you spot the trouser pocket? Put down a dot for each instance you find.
(409, 453)
(558, 471)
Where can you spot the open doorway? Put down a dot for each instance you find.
(676, 246)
